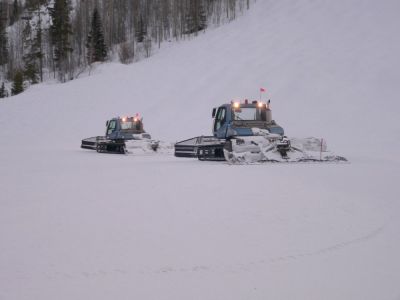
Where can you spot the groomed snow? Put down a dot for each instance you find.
(75, 224)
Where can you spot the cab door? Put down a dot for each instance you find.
(219, 127)
(111, 128)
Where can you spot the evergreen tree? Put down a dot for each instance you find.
(30, 65)
(37, 45)
(3, 92)
(18, 84)
(96, 47)
(3, 41)
(60, 32)
(32, 39)
(31, 72)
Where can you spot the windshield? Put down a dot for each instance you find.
(130, 125)
(249, 114)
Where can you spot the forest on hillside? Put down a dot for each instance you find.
(41, 39)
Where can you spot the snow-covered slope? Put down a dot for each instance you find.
(81, 225)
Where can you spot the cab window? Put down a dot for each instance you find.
(220, 118)
(111, 127)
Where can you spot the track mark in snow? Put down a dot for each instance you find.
(182, 270)
(243, 267)
(231, 268)
(322, 251)
(341, 245)
(234, 268)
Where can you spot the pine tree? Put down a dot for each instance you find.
(32, 39)
(3, 92)
(30, 60)
(35, 53)
(37, 45)
(31, 72)
(60, 32)
(3, 41)
(18, 84)
(96, 47)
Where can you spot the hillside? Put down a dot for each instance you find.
(81, 225)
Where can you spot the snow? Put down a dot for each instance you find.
(75, 224)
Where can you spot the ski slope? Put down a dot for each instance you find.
(75, 224)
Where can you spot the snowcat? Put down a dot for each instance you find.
(246, 133)
(123, 135)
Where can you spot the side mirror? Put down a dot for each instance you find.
(214, 112)
(107, 123)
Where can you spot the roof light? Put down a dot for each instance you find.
(260, 104)
(124, 119)
(236, 105)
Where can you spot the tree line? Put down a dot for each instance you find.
(43, 38)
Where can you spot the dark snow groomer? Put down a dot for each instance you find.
(246, 133)
(123, 135)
